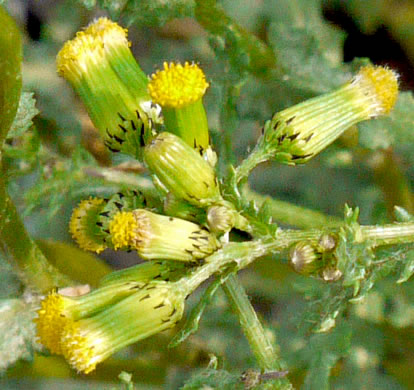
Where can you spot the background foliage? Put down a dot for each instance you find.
(54, 158)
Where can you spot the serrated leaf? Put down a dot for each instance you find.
(25, 113)
(17, 332)
(65, 180)
(353, 256)
(191, 324)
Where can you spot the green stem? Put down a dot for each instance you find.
(396, 233)
(288, 213)
(242, 254)
(22, 253)
(261, 346)
(257, 156)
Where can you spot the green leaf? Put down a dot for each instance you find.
(191, 324)
(213, 379)
(17, 332)
(10, 76)
(402, 215)
(77, 264)
(322, 352)
(64, 179)
(146, 12)
(126, 379)
(25, 113)
(309, 50)
(353, 257)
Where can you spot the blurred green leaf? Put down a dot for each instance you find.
(10, 76)
(79, 265)
(213, 379)
(408, 269)
(145, 12)
(17, 332)
(309, 50)
(322, 352)
(25, 113)
(395, 129)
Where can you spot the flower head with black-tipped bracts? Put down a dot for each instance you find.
(179, 90)
(182, 170)
(83, 227)
(58, 310)
(298, 133)
(100, 67)
(152, 308)
(156, 236)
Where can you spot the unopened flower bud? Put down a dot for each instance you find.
(221, 219)
(182, 170)
(305, 259)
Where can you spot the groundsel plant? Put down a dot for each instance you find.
(173, 145)
(184, 233)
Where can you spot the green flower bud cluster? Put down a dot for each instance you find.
(316, 258)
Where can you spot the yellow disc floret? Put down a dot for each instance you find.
(50, 321)
(382, 83)
(108, 31)
(76, 56)
(177, 85)
(122, 229)
(82, 348)
(80, 225)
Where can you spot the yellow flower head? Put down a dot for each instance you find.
(100, 66)
(52, 317)
(83, 227)
(58, 311)
(382, 84)
(154, 307)
(78, 56)
(122, 229)
(177, 85)
(109, 32)
(298, 133)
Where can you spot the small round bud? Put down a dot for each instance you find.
(304, 258)
(331, 274)
(220, 219)
(327, 243)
